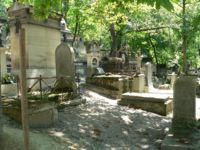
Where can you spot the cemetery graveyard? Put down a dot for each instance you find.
(60, 92)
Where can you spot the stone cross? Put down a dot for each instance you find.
(184, 105)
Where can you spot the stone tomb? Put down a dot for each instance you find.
(154, 102)
(41, 39)
(109, 85)
(183, 134)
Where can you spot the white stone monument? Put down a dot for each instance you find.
(148, 77)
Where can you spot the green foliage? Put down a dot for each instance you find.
(3, 6)
(8, 79)
(134, 23)
(158, 3)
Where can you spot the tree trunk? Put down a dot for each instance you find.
(154, 49)
(1, 115)
(76, 29)
(114, 39)
(184, 39)
(65, 4)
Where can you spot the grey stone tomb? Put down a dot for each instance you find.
(65, 67)
(183, 134)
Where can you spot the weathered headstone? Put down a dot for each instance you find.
(65, 61)
(148, 76)
(65, 67)
(184, 104)
(183, 134)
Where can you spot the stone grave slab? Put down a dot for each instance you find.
(156, 103)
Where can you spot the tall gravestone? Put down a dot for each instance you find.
(183, 134)
(65, 68)
(148, 76)
(184, 104)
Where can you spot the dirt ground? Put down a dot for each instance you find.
(99, 124)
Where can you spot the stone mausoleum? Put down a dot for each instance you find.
(41, 39)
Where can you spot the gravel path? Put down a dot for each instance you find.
(101, 124)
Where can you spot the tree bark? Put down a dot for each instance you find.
(1, 114)
(116, 37)
(184, 38)
(76, 29)
(113, 38)
(154, 49)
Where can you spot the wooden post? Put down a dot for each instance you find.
(1, 115)
(40, 82)
(24, 102)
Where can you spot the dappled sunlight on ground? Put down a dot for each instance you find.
(102, 124)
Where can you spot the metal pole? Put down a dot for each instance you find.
(24, 103)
